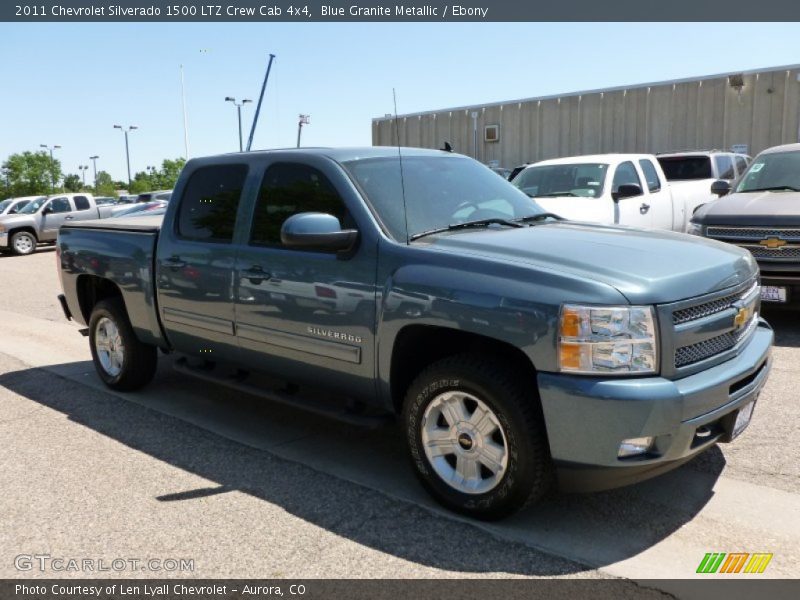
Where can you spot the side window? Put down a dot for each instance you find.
(209, 203)
(724, 166)
(18, 207)
(741, 164)
(81, 203)
(60, 205)
(626, 175)
(288, 189)
(650, 175)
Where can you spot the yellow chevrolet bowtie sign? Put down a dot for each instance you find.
(742, 316)
(772, 243)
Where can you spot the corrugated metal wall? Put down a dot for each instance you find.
(688, 114)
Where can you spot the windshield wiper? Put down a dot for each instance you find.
(554, 194)
(466, 225)
(539, 217)
(776, 188)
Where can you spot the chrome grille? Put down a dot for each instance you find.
(704, 310)
(688, 355)
(753, 233)
(789, 252)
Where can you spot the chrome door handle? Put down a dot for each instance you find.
(175, 262)
(644, 208)
(255, 274)
(68, 217)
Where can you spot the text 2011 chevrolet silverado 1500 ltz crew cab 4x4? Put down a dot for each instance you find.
(518, 349)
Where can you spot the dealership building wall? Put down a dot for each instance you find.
(757, 109)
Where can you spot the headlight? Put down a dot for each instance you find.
(607, 339)
(694, 228)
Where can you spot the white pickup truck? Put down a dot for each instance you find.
(623, 189)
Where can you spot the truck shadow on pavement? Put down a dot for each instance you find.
(297, 462)
(786, 324)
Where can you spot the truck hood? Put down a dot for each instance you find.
(9, 221)
(646, 266)
(754, 208)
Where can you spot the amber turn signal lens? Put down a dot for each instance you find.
(570, 323)
(570, 356)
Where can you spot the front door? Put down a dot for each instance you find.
(633, 211)
(53, 217)
(305, 315)
(195, 262)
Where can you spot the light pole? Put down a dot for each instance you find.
(83, 173)
(52, 163)
(127, 152)
(239, 113)
(94, 164)
(304, 120)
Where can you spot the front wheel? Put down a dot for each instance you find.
(476, 437)
(121, 360)
(23, 243)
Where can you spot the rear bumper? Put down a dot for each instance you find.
(587, 417)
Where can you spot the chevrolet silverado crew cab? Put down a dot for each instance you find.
(621, 189)
(762, 216)
(518, 350)
(39, 220)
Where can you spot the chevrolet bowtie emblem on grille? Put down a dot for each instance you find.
(772, 243)
(742, 317)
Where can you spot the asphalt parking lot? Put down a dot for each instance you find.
(245, 488)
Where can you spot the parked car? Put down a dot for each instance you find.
(622, 189)
(40, 219)
(105, 200)
(12, 206)
(503, 172)
(517, 346)
(150, 196)
(140, 207)
(691, 173)
(762, 215)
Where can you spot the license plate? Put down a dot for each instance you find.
(743, 418)
(772, 293)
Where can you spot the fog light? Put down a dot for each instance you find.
(635, 446)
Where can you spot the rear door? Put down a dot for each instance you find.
(84, 209)
(306, 315)
(195, 262)
(53, 217)
(635, 210)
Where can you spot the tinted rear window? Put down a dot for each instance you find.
(210, 200)
(680, 168)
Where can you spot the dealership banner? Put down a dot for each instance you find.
(416, 11)
(395, 589)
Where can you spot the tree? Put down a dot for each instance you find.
(72, 183)
(31, 173)
(105, 185)
(158, 179)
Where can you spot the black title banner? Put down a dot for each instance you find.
(414, 11)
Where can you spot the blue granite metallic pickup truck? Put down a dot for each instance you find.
(517, 349)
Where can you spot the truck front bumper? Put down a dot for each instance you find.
(587, 418)
(3, 239)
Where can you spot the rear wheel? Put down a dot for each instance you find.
(121, 360)
(476, 437)
(23, 243)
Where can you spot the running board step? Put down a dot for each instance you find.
(369, 421)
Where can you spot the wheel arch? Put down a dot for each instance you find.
(417, 346)
(92, 289)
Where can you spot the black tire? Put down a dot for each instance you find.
(140, 360)
(529, 472)
(23, 243)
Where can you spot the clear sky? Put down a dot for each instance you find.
(68, 84)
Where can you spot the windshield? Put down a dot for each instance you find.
(580, 179)
(439, 191)
(683, 168)
(33, 207)
(776, 170)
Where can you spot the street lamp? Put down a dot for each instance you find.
(94, 164)
(304, 120)
(52, 163)
(239, 113)
(127, 151)
(83, 172)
